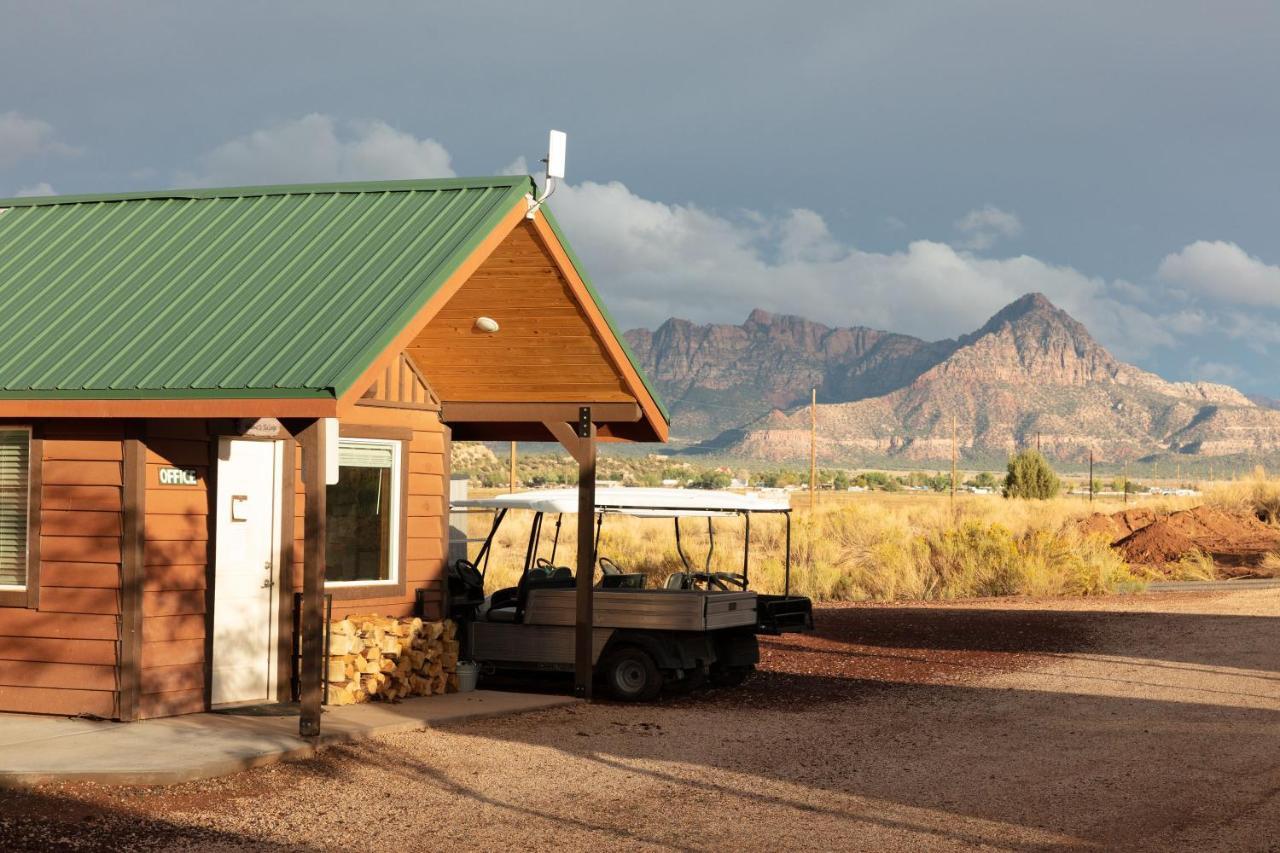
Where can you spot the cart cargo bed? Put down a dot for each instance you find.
(646, 609)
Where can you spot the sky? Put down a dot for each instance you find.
(910, 166)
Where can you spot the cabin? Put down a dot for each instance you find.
(222, 410)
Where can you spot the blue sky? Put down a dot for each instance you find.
(911, 166)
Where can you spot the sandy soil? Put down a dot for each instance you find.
(1148, 722)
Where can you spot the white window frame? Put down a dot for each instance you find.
(397, 509)
(25, 586)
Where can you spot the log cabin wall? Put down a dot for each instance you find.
(61, 658)
(425, 520)
(177, 557)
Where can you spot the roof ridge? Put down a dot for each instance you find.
(410, 185)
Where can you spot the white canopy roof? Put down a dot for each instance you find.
(649, 503)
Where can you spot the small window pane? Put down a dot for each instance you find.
(15, 469)
(361, 514)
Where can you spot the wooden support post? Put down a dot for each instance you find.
(132, 574)
(513, 468)
(580, 441)
(314, 450)
(582, 663)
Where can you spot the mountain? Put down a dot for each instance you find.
(718, 377)
(1032, 374)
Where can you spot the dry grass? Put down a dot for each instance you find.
(1256, 495)
(865, 546)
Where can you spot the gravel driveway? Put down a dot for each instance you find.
(1137, 722)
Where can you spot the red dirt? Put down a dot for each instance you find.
(1144, 537)
(1117, 525)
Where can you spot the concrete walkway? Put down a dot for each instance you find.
(36, 750)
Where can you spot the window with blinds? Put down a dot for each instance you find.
(15, 494)
(363, 510)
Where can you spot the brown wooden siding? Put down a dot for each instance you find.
(61, 658)
(546, 349)
(176, 556)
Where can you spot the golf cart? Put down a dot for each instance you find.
(699, 625)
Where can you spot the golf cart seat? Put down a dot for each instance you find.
(613, 577)
(507, 605)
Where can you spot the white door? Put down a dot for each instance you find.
(245, 594)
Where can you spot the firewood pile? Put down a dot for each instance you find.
(387, 659)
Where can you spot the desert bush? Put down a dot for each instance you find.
(1257, 495)
(1193, 566)
(1030, 476)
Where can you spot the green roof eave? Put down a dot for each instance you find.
(595, 296)
(172, 394)
(523, 182)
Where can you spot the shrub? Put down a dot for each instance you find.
(1030, 476)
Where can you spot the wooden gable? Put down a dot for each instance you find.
(401, 386)
(546, 349)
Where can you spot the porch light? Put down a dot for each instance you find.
(488, 325)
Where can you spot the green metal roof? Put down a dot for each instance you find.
(286, 291)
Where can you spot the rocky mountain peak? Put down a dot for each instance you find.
(1030, 370)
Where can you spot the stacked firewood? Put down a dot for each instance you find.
(384, 658)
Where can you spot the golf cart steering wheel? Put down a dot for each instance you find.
(466, 571)
(544, 563)
(609, 567)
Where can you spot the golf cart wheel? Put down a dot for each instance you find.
(730, 676)
(631, 675)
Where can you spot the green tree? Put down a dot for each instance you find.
(1030, 476)
(984, 480)
(711, 479)
(840, 482)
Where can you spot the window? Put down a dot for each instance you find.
(364, 514)
(15, 506)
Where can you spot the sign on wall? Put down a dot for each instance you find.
(179, 477)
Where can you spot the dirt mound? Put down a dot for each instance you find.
(1230, 538)
(1117, 526)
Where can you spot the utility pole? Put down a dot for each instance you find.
(512, 487)
(953, 468)
(1090, 476)
(1126, 481)
(813, 447)
(1037, 442)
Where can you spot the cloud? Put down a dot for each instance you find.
(1223, 272)
(983, 227)
(653, 260)
(22, 137)
(42, 188)
(1215, 371)
(518, 166)
(318, 148)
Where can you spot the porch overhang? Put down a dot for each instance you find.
(476, 421)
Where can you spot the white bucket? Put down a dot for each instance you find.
(468, 674)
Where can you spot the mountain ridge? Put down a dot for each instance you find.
(1031, 372)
